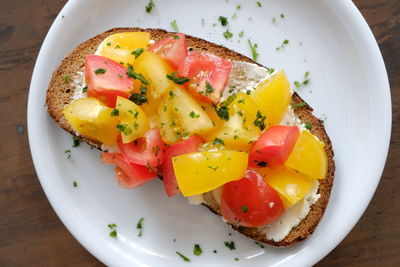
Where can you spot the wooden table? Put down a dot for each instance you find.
(32, 234)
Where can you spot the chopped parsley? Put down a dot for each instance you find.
(209, 88)
(282, 15)
(174, 25)
(124, 128)
(74, 184)
(299, 105)
(139, 226)
(306, 80)
(228, 34)
(84, 89)
(253, 49)
(109, 43)
(119, 76)
(230, 245)
(113, 233)
(100, 71)
(182, 256)
(66, 78)
(273, 19)
(262, 164)
(117, 47)
(137, 52)
(222, 112)
(260, 120)
(236, 259)
(197, 250)
(285, 42)
(176, 79)
(76, 141)
(223, 20)
(241, 34)
(259, 4)
(176, 37)
(114, 112)
(238, 7)
(271, 70)
(140, 98)
(68, 153)
(150, 6)
(261, 245)
(218, 141)
(193, 115)
(213, 168)
(297, 84)
(244, 209)
(138, 76)
(308, 126)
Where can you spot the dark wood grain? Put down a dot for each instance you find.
(32, 234)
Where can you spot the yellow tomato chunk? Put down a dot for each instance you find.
(134, 122)
(291, 185)
(119, 46)
(308, 156)
(200, 172)
(92, 119)
(239, 131)
(155, 70)
(273, 97)
(181, 116)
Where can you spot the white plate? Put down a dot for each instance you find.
(349, 87)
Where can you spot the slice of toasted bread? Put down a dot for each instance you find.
(60, 93)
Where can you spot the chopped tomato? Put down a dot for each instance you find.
(128, 175)
(208, 75)
(147, 151)
(273, 146)
(106, 79)
(172, 49)
(250, 201)
(188, 146)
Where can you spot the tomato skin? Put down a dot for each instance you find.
(172, 49)
(203, 68)
(128, 175)
(273, 146)
(108, 85)
(147, 151)
(187, 146)
(250, 202)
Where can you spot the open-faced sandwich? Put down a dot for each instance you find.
(214, 125)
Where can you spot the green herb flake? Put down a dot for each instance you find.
(114, 112)
(274, 19)
(150, 6)
(259, 4)
(100, 71)
(138, 76)
(113, 233)
(174, 26)
(112, 225)
(66, 78)
(308, 126)
(305, 82)
(223, 20)
(109, 43)
(271, 70)
(139, 224)
(178, 80)
(236, 259)
(230, 245)
(253, 48)
(222, 112)
(261, 245)
(74, 184)
(218, 141)
(209, 88)
(75, 141)
(299, 105)
(213, 168)
(124, 128)
(84, 89)
(138, 99)
(262, 164)
(137, 52)
(176, 37)
(297, 84)
(197, 250)
(68, 153)
(244, 209)
(248, 92)
(182, 256)
(241, 34)
(193, 115)
(282, 15)
(238, 7)
(306, 75)
(260, 120)
(227, 34)
(117, 47)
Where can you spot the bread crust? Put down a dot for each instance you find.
(60, 93)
